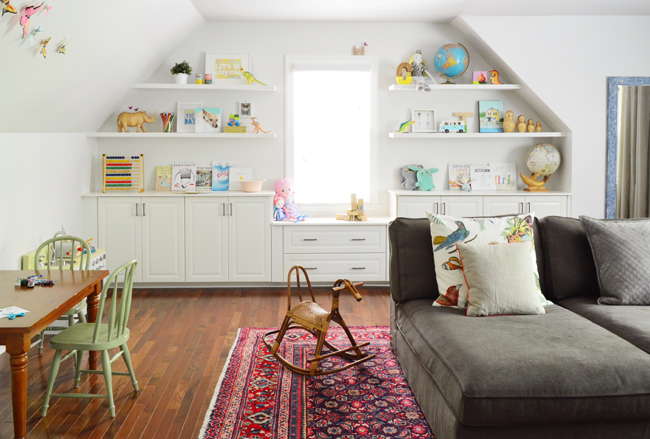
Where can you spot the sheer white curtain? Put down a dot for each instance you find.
(633, 158)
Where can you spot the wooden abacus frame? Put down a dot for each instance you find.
(135, 176)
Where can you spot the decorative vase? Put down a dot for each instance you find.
(181, 78)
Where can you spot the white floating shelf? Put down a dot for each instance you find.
(448, 87)
(183, 135)
(472, 135)
(205, 87)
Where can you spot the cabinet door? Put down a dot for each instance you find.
(461, 206)
(416, 206)
(163, 239)
(493, 206)
(547, 205)
(118, 231)
(249, 246)
(206, 239)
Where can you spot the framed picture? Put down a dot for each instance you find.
(245, 109)
(208, 120)
(424, 121)
(185, 117)
(227, 66)
(490, 115)
(479, 77)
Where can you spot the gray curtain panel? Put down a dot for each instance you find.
(633, 158)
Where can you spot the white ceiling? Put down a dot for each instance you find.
(407, 11)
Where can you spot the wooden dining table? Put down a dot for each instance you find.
(45, 305)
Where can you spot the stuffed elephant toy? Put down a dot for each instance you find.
(408, 177)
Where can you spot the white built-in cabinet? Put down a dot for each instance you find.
(542, 205)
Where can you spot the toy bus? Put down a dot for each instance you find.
(452, 126)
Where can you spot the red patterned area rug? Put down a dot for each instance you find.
(257, 398)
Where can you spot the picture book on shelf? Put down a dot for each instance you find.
(163, 178)
(482, 178)
(204, 178)
(183, 177)
(505, 176)
(458, 174)
(221, 175)
(208, 120)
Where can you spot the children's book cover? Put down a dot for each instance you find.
(163, 178)
(208, 120)
(490, 116)
(221, 175)
(458, 175)
(505, 176)
(183, 177)
(204, 178)
(482, 178)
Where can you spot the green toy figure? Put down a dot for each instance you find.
(425, 178)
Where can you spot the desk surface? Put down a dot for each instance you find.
(43, 302)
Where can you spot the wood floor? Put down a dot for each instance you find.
(180, 339)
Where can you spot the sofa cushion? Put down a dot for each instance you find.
(569, 265)
(517, 370)
(621, 250)
(629, 322)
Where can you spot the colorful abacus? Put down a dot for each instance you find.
(123, 173)
(167, 120)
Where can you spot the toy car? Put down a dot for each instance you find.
(453, 126)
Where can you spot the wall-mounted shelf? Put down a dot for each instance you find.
(205, 87)
(453, 87)
(182, 135)
(472, 135)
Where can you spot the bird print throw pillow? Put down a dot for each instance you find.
(447, 231)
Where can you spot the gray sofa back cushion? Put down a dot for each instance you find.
(569, 265)
(412, 273)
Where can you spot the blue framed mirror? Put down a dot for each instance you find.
(616, 87)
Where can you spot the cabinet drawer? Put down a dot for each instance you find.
(334, 239)
(328, 268)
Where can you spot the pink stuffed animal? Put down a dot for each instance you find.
(284, 189)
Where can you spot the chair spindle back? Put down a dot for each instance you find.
(54, 249)
(118, 316)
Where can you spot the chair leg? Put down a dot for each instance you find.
(50, 385)
(106, 366)
(40, 343)
(127, 360)
(81, 316)
(77, 368)
(70, 323)
(317, 353)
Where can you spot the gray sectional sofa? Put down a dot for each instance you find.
(581, 370)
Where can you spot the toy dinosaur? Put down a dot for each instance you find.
(257, 126)
(404, 126)
(249, 76)
(494, 77)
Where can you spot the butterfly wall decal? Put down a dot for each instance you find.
(62, 48)
(48, 8)
(33, 34)
(43, 50)
(24, 19)
(7, 7)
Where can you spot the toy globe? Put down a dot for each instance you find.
(542, 159)
(451, 61)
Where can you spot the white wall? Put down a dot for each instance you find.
(566, 61)
(268, 44)
(42, 177)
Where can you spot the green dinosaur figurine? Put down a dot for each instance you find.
(404, 126)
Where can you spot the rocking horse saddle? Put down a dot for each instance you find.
(311, 317)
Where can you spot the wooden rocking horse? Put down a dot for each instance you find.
(309, 316)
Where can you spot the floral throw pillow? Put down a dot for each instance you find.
(447, 231)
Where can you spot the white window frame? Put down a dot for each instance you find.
(338, 62)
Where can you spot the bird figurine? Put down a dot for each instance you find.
(521, 124)
(538, 127)
(447, 242)
(404, 126)
(24, 19)
(509, 121)
(535, 185)
(43, 50)
(531, 126)
(494, 77)
(249, 76)
(7, 7)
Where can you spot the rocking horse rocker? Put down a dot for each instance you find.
(309, 316)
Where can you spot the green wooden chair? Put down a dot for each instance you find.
(98, 336)
(50, 255)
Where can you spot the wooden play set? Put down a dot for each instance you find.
(123, 173)
(356, 211)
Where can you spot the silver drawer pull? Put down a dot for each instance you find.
(310, 268)
(358, 239)
(310, 239)
(358, 268)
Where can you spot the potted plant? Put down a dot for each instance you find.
(181, 72)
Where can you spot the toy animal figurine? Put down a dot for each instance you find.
(249, 76)
(509, 122)
(126, 119)
(465, 183)
(44, 44)
(409, 178)
(538, 127)
(258, 127)
(531, 126)
(419, 66)
(404, 74)
(494, 77)
(361, 50)
(6, 7)
(284, 189)
(404, 126)
(24, 20)
(521, 124)
(425, 178)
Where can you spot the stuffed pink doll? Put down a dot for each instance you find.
(284, 189)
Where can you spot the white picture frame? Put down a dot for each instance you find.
(225, 66)
(183, 109)
(424, 121)
(246, 109)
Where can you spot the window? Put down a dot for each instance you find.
(330, 129)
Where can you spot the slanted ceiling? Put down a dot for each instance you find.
(112, 45)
